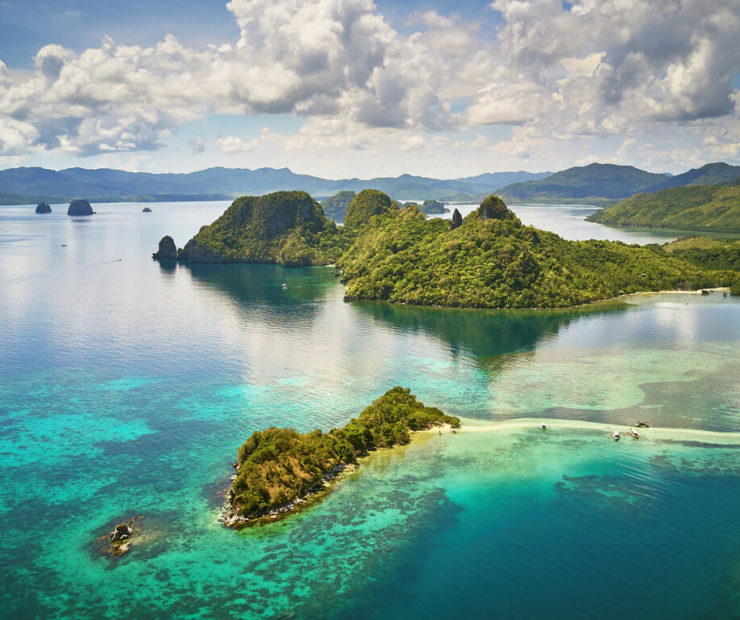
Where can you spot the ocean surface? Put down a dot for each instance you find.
(127, 386)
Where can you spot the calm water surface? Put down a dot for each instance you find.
(126, 387)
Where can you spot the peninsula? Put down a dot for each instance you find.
(711, 208)
(488, 259)
(278, 468)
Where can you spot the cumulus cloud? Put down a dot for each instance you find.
(595, 69)
(232, 144)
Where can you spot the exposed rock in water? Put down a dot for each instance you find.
(146, 210)
(456, 219)
(118, 542)
(80, 207)
(167, 248)
(43, 207)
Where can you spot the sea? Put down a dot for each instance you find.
(127, 386)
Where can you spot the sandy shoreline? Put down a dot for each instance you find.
(557, 425)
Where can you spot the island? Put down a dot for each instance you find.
(43, 207)
(146, 210)
(712, 208)
(433, 207)
(335, 207)
(79, 207)
(278, 469)
(487, 259)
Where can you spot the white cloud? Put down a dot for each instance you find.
(626, 68)
(232, 144)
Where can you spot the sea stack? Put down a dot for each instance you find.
(79, 207)
(146, 210)
(43, 207)
(167, 248)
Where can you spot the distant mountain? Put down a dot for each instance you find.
(592, 183)
(32, 185)
(709, 174)
(694, 207)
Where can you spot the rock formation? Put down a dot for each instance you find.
(167, 248)
(79, 207)
(43, 207)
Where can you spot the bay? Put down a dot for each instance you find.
(126, 387)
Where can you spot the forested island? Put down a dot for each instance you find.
(486, 260)
(712, 208)
(278, 468)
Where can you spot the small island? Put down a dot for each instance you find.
(146, 210)
(279, 468)
(80, 207)
(433, 207)
(43, 207)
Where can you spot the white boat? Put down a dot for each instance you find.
(616, 435)
(634, 434)
(543, 426)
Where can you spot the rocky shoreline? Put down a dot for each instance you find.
(230, 518)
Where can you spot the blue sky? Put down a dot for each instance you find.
(344, 88)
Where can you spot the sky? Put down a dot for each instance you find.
(355, 88)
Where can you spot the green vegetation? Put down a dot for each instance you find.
(492, 261)
(366, 204)
(735, 288)
(706, 253)
(486, 260)
(696, 207)
(593, 184)
(278, 466)
(335, 207)
(288, 228)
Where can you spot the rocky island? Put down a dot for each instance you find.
(43, 207)
(433, 207)
(80, 207)
(488, 259)
(279, 468)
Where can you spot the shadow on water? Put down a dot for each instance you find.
(484, 333)
(265, 284)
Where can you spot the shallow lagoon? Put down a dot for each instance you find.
(126, 387)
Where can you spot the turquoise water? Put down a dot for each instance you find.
(126, 387)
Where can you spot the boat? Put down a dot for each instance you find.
(616, 435)
(642, 425)
(543, 426)
(634, 434)
(285, 285)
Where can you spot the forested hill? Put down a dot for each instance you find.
(700, 207)
(592, 183)
(489, 259)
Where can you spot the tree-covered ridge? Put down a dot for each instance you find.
(288, 228)
(491, 260)
(365, 205)
(706, 253)
(278, 466)
(696, 207)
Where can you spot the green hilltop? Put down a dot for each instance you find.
(489, 260)
(695, 207)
